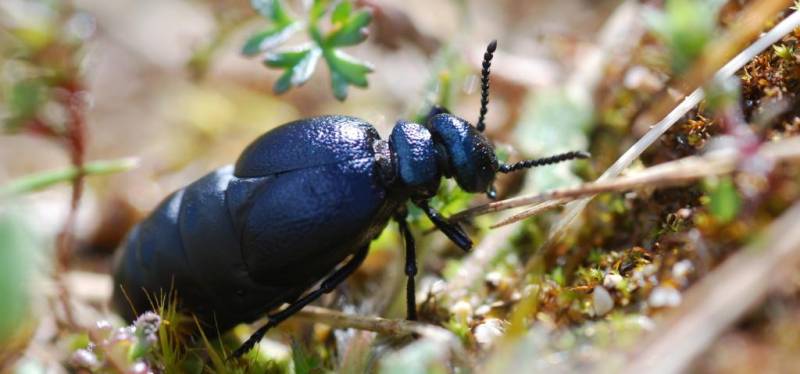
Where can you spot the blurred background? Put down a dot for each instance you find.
(150, 95)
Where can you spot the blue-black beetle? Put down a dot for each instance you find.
(246, 239)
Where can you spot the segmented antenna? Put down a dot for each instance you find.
(487, 62)
(506, 168)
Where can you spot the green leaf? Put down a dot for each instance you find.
(345, 70)
(725, 201)
(303, 70)
(269, 39)
(318, 9)
(284, 83)
(347, 27)
(351, 32)
(299, 72)
(352, 70)
(273, 10)
(339, 85)
(286, 59)
(685, 27)
(304, 361)
(342, 12)
(18, 245)
(24, 100)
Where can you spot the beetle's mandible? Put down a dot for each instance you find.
(302, 204)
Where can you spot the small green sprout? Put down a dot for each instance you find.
(24, 98)
(725, 202)
(348, 28)
(785, 52)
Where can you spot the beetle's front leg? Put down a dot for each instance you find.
(451, 229)
(327, 286)
(411, 265)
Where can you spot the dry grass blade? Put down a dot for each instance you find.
(666, 174)
(391, 327)
(721, 298)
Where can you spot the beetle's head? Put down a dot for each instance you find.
(450, 146)
(463, 153)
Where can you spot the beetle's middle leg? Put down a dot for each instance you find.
(411, 265)
(328, 285)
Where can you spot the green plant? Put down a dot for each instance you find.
(784, 51)
(348, 28)
(41, 180)
(685, 27)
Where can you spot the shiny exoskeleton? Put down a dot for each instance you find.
(300, 206)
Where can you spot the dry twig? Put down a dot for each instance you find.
(391, 327)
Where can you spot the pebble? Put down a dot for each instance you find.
(611, 280)
(681, 270)
(487, 332)
(640, 78)
(462, 311)
(664, 296)
(602, 301)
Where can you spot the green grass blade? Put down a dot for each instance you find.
(42, 180)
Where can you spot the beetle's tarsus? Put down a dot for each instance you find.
(451, 229)
(253, 340)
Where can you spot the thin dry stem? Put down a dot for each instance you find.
(391, 327)
(667, 174)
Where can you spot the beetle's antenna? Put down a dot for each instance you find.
(487, 62)
(508, 168)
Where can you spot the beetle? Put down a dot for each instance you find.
(300, 206)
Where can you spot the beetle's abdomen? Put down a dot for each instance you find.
(152, 262)
(188, 246)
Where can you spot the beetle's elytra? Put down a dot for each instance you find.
(302, 204)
